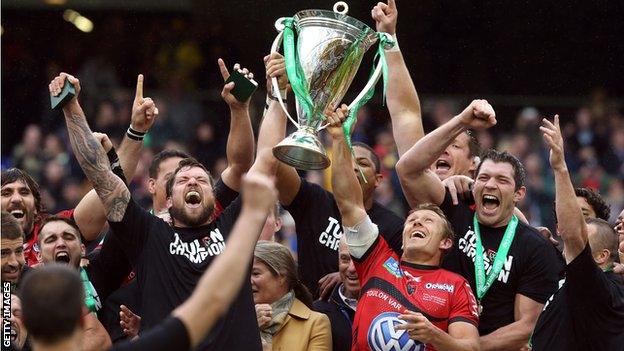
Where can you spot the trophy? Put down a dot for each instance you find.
(329, 49)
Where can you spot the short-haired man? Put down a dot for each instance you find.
(342, 304)
(56, 291)
(170, 259)
(407, 302)
(12, 249)
(592, 204)
(512, 269)
(587, 312)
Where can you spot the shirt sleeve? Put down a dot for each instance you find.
(464, 307)
(133, 229)
(587, 283)
(377, 251)
(224, 196)
(540, 278)
(108, 267)
(171, 334)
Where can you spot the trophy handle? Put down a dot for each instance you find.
(279, 25)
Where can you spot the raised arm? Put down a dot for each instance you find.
(571, 223)
(89, 213)
(420, 184)
(219, 285)
(401, 96)
(96, 337)
(90, 155)
(240, 142)
(345, 184)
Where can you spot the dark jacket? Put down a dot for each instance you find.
(341, 318)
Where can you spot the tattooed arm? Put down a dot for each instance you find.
(91, 156)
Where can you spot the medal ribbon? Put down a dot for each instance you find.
(484, 283)
(90, 295)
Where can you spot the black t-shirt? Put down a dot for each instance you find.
(586, 313)
(169, 261)
(170, 334)
(319, 228)
(532, 267)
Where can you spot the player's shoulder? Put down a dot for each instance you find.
(529, 235)
(452, 277)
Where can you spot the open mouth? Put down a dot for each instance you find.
(418, 234)
(490, 202)
(193, 198)
(18, 214)
(442, 165)
(62, 257)
(14, 332)
(353, 278)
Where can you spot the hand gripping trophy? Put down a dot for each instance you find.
(321, 66)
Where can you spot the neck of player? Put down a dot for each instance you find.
(497, 223)
(422, 258)
(70, 343)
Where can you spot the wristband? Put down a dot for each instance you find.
(135, 134)
(270, 96)
(113, 159)
(395, 48)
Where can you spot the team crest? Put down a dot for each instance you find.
(382, 335)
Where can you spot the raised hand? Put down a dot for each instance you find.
(259, 192)
(335, 120)
(144, 111)
(226, 93)
(56, 85)
(276, 67)
(459, 186)
(418, 327)
(385, 16)
(104, 140)
(327, 284)
(478, 115)
(552, 136)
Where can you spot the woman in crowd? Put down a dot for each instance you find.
(283, 303)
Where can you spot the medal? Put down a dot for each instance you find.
(484, 282)
(479, 307)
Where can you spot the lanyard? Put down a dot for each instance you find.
(90, 295)
(483, 282)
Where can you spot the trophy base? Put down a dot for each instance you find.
(302, 150)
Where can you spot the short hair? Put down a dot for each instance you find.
(52, 301)
(280, 262)
(57, 218)
(163, 156)
(606, 237)
(505, 157)
(474, 148)
(11, 229)
(374, 157)
(448, 228)
(597, 203)
(12, 175)
(188, 162)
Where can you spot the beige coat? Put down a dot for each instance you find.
(303, 330)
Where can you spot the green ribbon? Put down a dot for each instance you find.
(91, 298)
(294, 71)
(483, 282)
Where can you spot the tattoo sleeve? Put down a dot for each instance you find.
(93, 160)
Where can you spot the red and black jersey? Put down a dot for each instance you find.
(32, 252)
(391, 286)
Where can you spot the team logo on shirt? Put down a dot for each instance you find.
(198, 250)
(467, 245)
(330, 237)
(392, 266)
(382, 335)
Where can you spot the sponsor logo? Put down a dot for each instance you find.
(330, 237)
(467, 245)
(198, 250)
(392, 266)
(382, 335)
(437, 286)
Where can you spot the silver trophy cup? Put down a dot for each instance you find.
(330, 46)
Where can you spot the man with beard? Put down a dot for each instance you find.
(342, 304)
(22, 198)
(509, 265)
(587, 312)
(168, 259)
(12, 249)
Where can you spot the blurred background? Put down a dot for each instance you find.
(530, 59)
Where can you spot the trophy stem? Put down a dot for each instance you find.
(302, 150)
